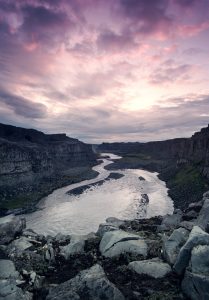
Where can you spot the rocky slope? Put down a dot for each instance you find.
(183, 163)
(32, 164)
(162, 258)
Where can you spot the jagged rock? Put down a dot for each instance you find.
(196, 237)
(61, 238)
(141, 178)
(32, 277)
(9, 291)
(29, 233)
(7, 269)
(170, 221)
(10, 227)
(105, 228)
(19, 245)
(155, 268)
(195, 286)
(196, 206)
(114, 221)
(200, 260)
(76, 245)
(117, 242)
(203, 218)
(190, 215)
(187, 225)
(88, 284)
(50, 254)
(171, 247)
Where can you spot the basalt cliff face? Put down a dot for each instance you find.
(30, 159)
(182, 150)
(183, 163)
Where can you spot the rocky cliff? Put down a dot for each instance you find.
(194, 149)
(183, 163)
(33, 163)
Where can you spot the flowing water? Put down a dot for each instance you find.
(121, 198)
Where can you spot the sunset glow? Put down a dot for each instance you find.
(103, 70)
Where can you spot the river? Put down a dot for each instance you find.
(121, 198)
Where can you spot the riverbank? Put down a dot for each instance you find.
(27, 200)
(185, 182)
(133, 260)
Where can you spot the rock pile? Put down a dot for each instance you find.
(158, 258)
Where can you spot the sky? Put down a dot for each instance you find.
(105, 70)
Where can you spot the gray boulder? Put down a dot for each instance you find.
(190, 215)
(171, 222)
(104, 227)
(9, 291)
(195, 286)
(114, 221)
(19, 245)
(88, 284)
(203, 218)
(7, 269)
(155, 268)
(171, 247)
(10, 227)
(200, 260)
(187, 225)
(119, 242)
(76, 245)
(196, 206)
(196, 237)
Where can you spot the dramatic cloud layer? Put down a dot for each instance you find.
(103, 70)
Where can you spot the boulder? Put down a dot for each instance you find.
(119, 242)
(19, 245)
(171, 247)
(76, 245)
(196, 206)
(155, 268)
(7, 269)
(190, 215)
(10, 227)
(195, 286)
(200, 260)
(170, 222)
(88, 284)
(104, 227)
(203, 218)
(9, 291)
(114, 221)
(197, 237)
(50, 253)
(187, 225)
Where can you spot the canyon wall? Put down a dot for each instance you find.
(30, 158)
(194, 150)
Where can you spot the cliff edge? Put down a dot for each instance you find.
(32, 164)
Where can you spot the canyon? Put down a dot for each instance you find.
(183, 163)
(33, 164)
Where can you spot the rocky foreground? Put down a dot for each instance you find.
(158, 258)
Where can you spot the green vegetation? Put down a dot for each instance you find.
(187, 185)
